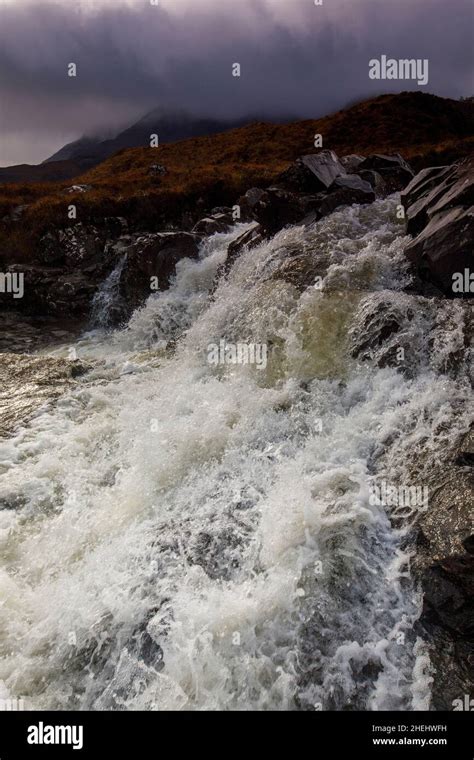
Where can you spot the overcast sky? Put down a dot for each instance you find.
(131, 56)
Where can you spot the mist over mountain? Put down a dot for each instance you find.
(85, 153)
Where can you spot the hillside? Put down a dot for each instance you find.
(213, 171)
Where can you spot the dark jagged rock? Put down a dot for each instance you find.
(312, 173)
(212, 224)
(278, 208)
(153, 255)
(375, 180)
(449, 594)
(394, 170)
(352, 162)
(249, 239)
(248, 202)
(439, 207)
(346, 191)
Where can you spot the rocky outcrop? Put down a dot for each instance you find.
(439, 205)
(151, 262)
(313, 173)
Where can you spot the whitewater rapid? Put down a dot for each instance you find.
(184, 536)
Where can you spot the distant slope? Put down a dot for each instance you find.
(54, 172)
(212, 171)
(81, 155)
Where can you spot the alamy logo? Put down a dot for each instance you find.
(386, 495)
(12, 282)
(407, 68)
(12, 705)
(463, 704)
(237, 353)
(41, 734)
(463, 282)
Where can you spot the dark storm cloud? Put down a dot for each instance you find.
(296, 58)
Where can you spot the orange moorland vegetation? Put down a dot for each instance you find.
(213, 171)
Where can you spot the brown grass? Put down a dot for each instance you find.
(211, 171)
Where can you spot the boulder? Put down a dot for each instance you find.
(212, 224)
(439, 205)
(444, 249)
(312, 173)
(375, 180)
(448, 587)
(153, 255)
(248, 202)
(352, 162)
(278, 208)
(395, 171)
(346, 190)
(249, 239)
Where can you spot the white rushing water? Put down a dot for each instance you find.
(177, 535)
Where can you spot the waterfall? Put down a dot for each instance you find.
(199, 536)
(107, 298)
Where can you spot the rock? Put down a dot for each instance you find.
(395, 171)
(375, 180)
(421, 194)
(153, 255)
(80, 245)
(157, 170)
(27, 383)
(249, 239)
(444, 249)
(78, 189)
(278, 208)
(248, 202)
(345, 191)
(312, 173)
(448, 588)
(212, 224)
(352, 162)
(439, 205)
(447, 522)
(379, 329)
(15, 214)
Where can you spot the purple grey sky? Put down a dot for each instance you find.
(132, 56)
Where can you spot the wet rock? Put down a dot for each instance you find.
(444, 251)
(439, 207)
(212, 224)
(29, 382)
(449, 594)
(312, 173)
(150, 256)
(379, 330)
(249, 239)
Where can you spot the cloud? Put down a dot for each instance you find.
(131, 56)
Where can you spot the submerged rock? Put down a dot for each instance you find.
(28, 383)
